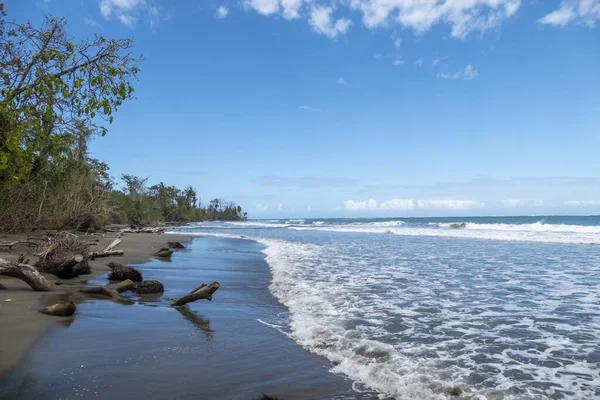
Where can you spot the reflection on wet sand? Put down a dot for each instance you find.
(203, 324)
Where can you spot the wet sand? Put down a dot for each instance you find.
(20, 322)
(207, 350)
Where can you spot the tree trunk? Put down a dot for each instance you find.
(111, 246)
(201, 292)
(26, 273)
(100, 254)
(102, 291)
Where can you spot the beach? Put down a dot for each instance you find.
(22, 324)
(234, 347)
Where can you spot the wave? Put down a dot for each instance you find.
(253, 224)
(515, 235)
(535, 227)
(317, 323)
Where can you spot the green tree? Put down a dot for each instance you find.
(48, 84)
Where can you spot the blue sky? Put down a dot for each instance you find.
(358, 107)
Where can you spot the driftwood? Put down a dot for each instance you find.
(100, 254)
(101, 291)
(201, 292)
(163, 253)
(175, 245)
(65, 309)
(10, 245)
(112, 246)
(123, 286)
(26, 273)
(157, 229)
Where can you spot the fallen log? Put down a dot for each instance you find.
(101, 291)
(65, 309)
(201, 292)
(112, 246)
(123, 286)
(26, 273)
(100, 254)
(10, 245)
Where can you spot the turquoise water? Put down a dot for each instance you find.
(493, 308)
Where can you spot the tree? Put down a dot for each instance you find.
(48, 84)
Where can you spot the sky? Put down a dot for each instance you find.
(357, 108)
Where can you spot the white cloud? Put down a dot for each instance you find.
(398, 61)
(586, 12)
(352, 205)
(450, 204)
(291, 8)
(280, 207)
(340, 81)
(436, 61)
(107, 7)
(127, 20)
(322, 23)
(463, 16)
(222, 12)
(582, 203)
(264, 7)
(128, 12)
(412, 204)
(92, 23)
(419, 62)
(398, 204)
(154, 15)
(398, 43)
(310, 108)
(468, 73)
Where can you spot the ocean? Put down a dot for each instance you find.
(432, 308)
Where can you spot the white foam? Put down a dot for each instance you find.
(568, 234)
(256, 224)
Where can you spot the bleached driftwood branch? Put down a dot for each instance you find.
(201, 292)
(26, 273)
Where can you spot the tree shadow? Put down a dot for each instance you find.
(201, 323)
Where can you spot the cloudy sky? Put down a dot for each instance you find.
(358, 107)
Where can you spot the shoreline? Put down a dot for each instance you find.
(236, 346)
(23, 326)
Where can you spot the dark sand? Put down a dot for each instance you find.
(20, 322)
(207, 350)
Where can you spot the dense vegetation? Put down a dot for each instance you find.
(55, 96)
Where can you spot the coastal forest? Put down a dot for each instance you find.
(56, 95)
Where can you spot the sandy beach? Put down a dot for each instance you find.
(235, 347)
(22, 324)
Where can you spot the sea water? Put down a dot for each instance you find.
(482, 308)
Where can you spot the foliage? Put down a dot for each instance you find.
(135, 204)
(49, 85)
(55, 96)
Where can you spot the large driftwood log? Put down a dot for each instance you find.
(112, 246)
(26, 273)
(201, 292)
(100, 254)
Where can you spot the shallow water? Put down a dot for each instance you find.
(209, 350)
(424, 308)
